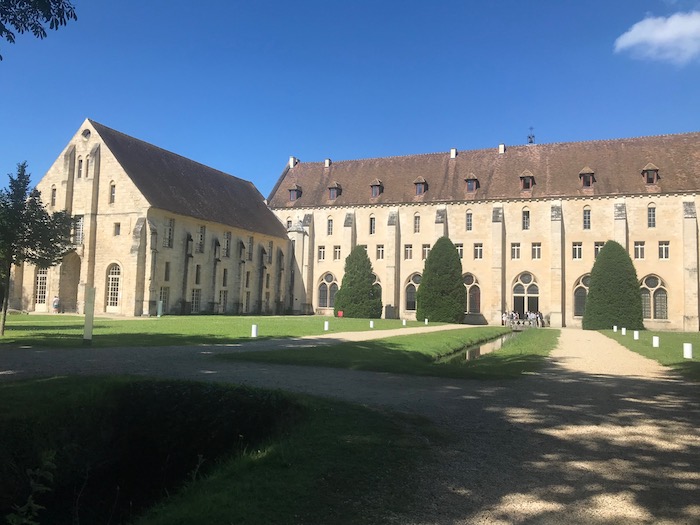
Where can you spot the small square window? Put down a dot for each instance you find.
(597, 246)
(460, 249)
(380, 251)
(408, 251)
(336, 253)
(478, 250)
(472, 185)
(321, 253)
(425, 251)
(664, 249)
(117, 229)
(576, 250)
(639, 249)
(536, 250)
(515, 250)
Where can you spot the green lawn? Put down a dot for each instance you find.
(419, 354)
(670, 350)
(314, 461)
(66, 331)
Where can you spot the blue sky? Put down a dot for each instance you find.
(242, 85)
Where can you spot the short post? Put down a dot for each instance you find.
(254, 331)
(426, 320)
(623, 331)
(635, 335)
(687, 350)
(325, 326)
(89, 315)
(371, 324)
(159, 309)
(615, 328)
(655, 341)
(404, 322)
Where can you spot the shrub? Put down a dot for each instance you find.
(614, 297)
(441, 296)
(358, 296)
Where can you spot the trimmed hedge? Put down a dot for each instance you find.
(358, 295)
(441, 296)
(614, 297)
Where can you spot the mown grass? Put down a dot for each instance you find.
(66, 331)
(670, 351)
(418, 354)
(310, 460)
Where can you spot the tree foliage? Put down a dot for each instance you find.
(358, 295)
(441, 296)
(614, 297)
(28, 232)
(32, 16)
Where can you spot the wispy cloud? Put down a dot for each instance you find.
(674, 39)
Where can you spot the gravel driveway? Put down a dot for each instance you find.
(600, 436)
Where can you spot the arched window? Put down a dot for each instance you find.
(80, 168)
(526, 294)
(473, 293)
(113, 285)
(654, 298)
(377, 287)
(581, 294)
(651, 215)
(327, 290)
(411, 288)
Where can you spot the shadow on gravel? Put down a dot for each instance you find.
(568, 447)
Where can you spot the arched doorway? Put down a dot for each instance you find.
(526, 294)
(113, 288)
(68, 285)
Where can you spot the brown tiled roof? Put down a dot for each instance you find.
(617, 165)
(174, 183)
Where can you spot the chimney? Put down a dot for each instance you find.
(453, 153)
(328, 163)
(292, 162)
(501, 148)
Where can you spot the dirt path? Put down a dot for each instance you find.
(600, 436)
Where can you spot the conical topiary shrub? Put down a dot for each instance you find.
(614, 297)
(441, 296)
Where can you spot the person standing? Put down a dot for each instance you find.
(56, 304)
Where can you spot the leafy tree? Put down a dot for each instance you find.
(28, 232)
(358, 296)
(614, 297)
(32, 16)
(441, 296)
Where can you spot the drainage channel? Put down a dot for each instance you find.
(474, 352)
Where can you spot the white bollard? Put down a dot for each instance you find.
(426, 320)
(687, 350)
(404, 322)
(623, 331)
(636, 335)
(371, 324)
(254, 331)
(615, 328)
(325, 326)
(655, 341)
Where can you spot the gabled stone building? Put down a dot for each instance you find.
(528, 222)
(152, 227)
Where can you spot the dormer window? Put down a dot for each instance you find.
(421, 185)
(472, 184)
(294, 192)
(376, 188)
(334, 191)
(587, 177)
(527, 181)
(650, 174)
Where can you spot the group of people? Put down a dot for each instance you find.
(512, 318)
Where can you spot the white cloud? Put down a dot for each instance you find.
(674, 39)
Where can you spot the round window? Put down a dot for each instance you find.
(526, 278)
(586, 281)
(416, 279)
(468, 279)
(328, 278)
(651, 281)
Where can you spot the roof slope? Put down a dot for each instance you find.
(556, 168)
(174, 183)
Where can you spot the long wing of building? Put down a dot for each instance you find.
(527, 220)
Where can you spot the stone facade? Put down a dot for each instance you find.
(137, 255)
(528, 227)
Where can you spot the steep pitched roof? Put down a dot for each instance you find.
(617, 165)
(174, 183)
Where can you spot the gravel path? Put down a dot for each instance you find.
(600, 436)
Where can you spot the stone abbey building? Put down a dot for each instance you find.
(528, 221)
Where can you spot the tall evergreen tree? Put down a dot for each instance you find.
(441, 296)
(614, 297)
(28, 232)
(358, 296)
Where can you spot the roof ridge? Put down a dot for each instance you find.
(169, 152)
(619, 139)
